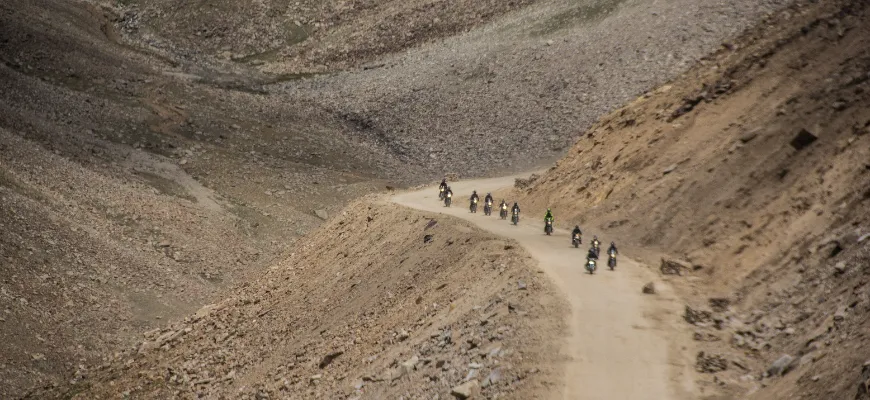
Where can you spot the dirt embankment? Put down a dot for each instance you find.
(375, 304)
(752, 169)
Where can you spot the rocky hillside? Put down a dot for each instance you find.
(377, 304)
(751, 171)
(133, 193)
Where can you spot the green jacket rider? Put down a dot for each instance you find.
(549, 216)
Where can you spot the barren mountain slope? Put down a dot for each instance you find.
(753, 168)
(512, 95)
(378, 303)
(133, 193)
(306, 35)
(474, 87)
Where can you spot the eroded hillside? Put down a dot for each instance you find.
(753, 170)
(377, 303)
(133, 193)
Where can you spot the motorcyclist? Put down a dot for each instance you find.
(443, 184)
(548, 217)
(516, 208)
(488, 198)
(612, 248)
(474, 197)
(576, 231)
(596, 246)
(503, 204)
(448, 191)
(592, 255)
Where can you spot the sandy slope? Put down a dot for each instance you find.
(622, 345)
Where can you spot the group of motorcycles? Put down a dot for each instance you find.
(447, 197)
(594, 252)
(576, 239)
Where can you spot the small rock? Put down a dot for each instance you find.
(803, 139)
(669, 169)
(649, 288)
(329, 358)
(781, 366)
(695, 317)
(719, 304)
(408, 366)
(839, 105)
(321, 214)
(466, 390)
(313, 378)
(671, 266)
(840, 268)
(403, 335)
(711, 363)
(749, 136)
(494, 377)
(521, 285)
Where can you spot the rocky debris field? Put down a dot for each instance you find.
(365, 308)
(517, 94)
(749, 173)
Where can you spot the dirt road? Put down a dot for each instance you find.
(623, 344)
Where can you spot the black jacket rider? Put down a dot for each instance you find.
(474, 196)
(592, 255)
(443, 184)
(448, 191)
(515, 209)
(576, 231)
(612, 248)
(488, 198)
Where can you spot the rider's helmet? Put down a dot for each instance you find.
(613, 244)
(577, 227)
(474, 192)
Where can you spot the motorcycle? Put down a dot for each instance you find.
(515, 219)
(590, 266)
(548, 228)
(448, 199)
(503, 212)
(576, 240)
(611, 261)
(441, 193)
(474, 205)
(487, 208)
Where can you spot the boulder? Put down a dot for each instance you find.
(649, 288)
(466, 390)
(322, 214)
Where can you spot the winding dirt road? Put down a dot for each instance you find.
(622, 344)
